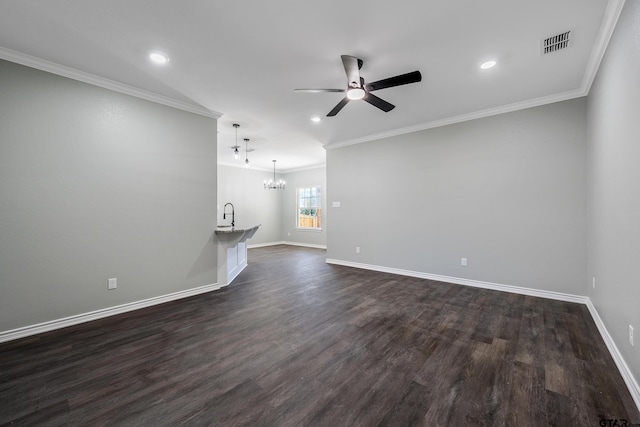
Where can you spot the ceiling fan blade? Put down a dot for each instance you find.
(338, 107)
(378, 102)
(351, 67)
(318, 90)
(403, 79)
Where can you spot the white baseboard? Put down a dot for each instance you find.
(39, 328)
(283, 242)
(306, 245)
(52, 325)
(263, 245)
(466, 282)
(626, 373)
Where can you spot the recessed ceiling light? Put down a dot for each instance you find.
(315, 119)
(158, 57)
(488, 64)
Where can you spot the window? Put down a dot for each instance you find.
(309, 209)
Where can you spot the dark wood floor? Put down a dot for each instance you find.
(294, 341)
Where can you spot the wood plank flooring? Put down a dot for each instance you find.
(296, 342)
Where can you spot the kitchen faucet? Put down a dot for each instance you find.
(233, 214)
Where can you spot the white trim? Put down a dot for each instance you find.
(262, 245)
(306, 245)
(609, 22)
(304, 168)
(305, 229)
(72, 73)
(240, 165)
(283, 242)
(39, 328)
(624, 369)
(564, 96)
(466, 282)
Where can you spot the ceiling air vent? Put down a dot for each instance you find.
(555, 43)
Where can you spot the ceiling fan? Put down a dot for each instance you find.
(357, 89)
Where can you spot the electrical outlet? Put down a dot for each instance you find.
(463, 262)
(113, 284)
(631, 335)
(357, 249)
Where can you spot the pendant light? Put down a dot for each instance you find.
(274, 185)
(236, 153)
(246, 153)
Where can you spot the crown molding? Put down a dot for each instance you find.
(609, 22)
(240, 165)
(304, 168)
(536, 102)
(72, 73)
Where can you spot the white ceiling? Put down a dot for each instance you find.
(244, 58)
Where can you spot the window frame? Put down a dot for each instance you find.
(318, 207)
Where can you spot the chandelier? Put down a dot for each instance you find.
(273, 184)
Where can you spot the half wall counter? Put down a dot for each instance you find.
(232, 251)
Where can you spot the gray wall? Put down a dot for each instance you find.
(507, 192)
(95, 184)
(253, 204)
(306, 178)
(614, 186)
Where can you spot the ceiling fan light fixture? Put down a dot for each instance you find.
(357, 89)
(315, 119)
(488, 64)
(158, 57)
(355, 93)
